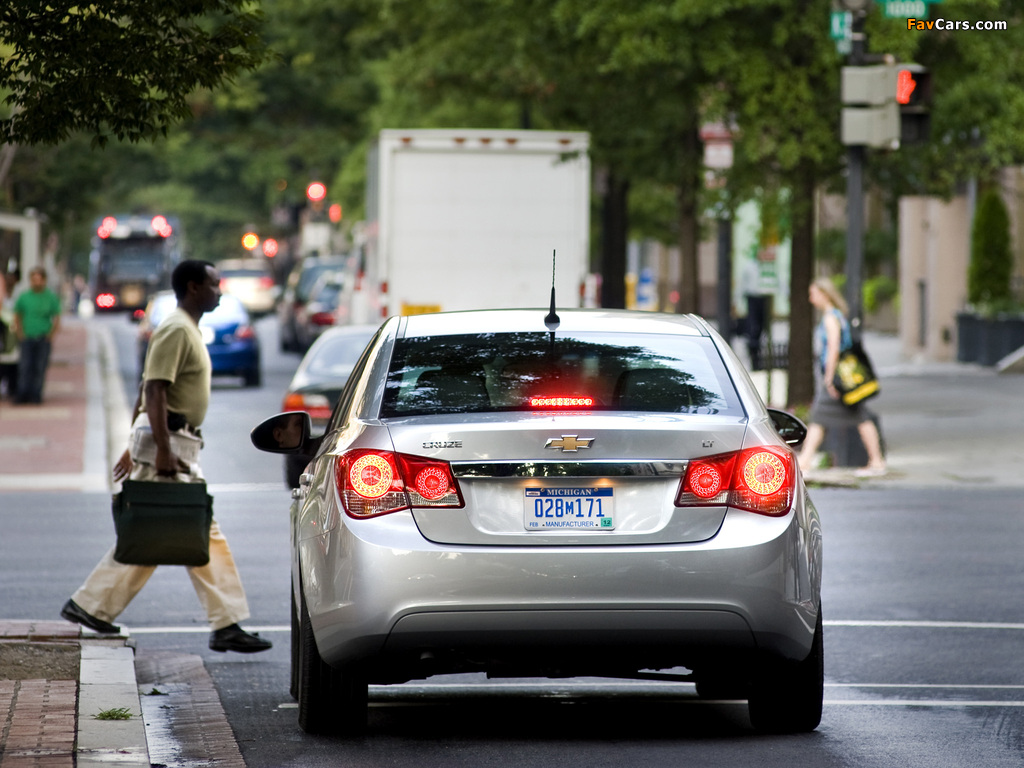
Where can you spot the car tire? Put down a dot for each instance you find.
(293, 687)
(786, 697)
(332, 700)
(253, 377)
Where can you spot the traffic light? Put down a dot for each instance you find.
(871, 115)
(885, 105)
(914, 96)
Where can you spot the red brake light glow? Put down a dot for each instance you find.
(372, 483)
(161, 226)
(562, 401)
(759, 480)
(317, 406)
(106, 301)
(321, 318)
(432, 483)
(107, 227)
(371, 476)
(706, 481)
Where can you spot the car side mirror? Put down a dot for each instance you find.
(285, 433)
(790, 428)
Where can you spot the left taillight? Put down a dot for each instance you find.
(761, 480)
(372, 483)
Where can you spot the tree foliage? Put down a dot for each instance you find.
(639, 75)
(123, 68)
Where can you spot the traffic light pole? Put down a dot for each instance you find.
(855, 202)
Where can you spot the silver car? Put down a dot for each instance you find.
(595, 493)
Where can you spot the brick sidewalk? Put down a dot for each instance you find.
(49, 439)
(38, 717)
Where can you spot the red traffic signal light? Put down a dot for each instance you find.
(316, 191)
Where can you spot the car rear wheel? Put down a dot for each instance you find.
(294, 686)
(332, 701)
(787, 697)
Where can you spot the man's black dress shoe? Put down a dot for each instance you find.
(234, 638)
(73, 612)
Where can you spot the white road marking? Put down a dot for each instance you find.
(568, 689)
(923, 624)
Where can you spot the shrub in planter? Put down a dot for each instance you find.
(988, 276)
(991, 326)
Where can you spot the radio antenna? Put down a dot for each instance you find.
(552, 320)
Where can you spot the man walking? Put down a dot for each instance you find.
(173, 399)
(36, 320)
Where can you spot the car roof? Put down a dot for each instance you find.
(229, 309)
(570, 320)
(231, 264)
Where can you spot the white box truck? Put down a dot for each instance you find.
(469, 219)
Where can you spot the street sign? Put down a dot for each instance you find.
(841, 30)
(841, 25)
(906, 9)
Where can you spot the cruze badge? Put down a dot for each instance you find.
(569, 443)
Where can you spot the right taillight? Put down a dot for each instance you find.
(761, 480)
(372, 483)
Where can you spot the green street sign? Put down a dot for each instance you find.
(841, 25)
(906, 9)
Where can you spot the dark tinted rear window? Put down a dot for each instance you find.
(479, 373)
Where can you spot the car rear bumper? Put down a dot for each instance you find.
(233, 358)
(752, 591)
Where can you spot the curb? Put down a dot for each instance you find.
(107, 678)
(106, 682)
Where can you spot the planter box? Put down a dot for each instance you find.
(967, 337)
(987, 340)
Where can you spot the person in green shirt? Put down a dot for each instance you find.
(36, 320)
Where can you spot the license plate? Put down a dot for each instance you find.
(569, 509)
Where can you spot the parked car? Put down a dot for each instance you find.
(252, 281)
(318, 382)
(600, 493)
(291, 308)
(228, 332)
(328, 306)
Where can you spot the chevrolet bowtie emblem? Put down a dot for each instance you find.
(569, 443)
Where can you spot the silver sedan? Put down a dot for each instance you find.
(595, 493)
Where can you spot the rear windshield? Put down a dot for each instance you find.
(480, 373)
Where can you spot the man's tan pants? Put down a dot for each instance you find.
(112, 585)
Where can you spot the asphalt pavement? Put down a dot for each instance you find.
(944, 425)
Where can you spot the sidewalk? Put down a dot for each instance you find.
(45, 447)
(56, 677)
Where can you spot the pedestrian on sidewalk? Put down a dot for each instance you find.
(832, 336)
(36, 322)
(173, 399)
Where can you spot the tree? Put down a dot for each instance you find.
(121, 69)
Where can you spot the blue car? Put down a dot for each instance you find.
(228, 332)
